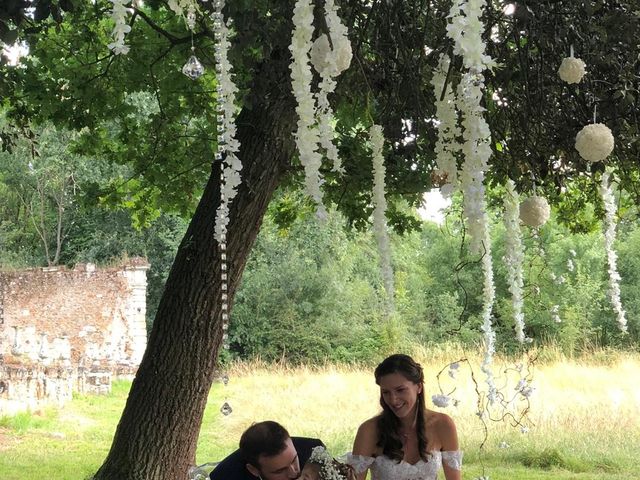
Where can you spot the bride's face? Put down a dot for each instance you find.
(400, 394)
(311, 471)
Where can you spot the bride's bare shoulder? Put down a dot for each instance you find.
(366, 438)
(369, 427)
(443, 428)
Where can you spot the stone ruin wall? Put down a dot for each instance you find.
(65, 331)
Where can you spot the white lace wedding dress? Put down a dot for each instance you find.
(384, 468)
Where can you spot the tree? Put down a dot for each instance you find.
(70, 77)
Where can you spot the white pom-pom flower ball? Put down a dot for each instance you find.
(572, 70)
(594, 142)
(320, 50)
(535, 211)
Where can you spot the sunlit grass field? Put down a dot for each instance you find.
(584, 418)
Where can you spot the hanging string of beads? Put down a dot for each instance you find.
(230, 167)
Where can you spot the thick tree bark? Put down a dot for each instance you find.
(157, 434)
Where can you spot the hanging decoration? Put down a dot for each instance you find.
(227, 149)
(329, 63)
(380, 206)
(514, 256)
(572, 69)
(307, 135)
(447, 145)
(465, 29)
(609, 239)
(228, 145)
(535, 211)
(119, 16)
(594, 142)
(330, 56)
(193, 68)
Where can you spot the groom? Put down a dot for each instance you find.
(266, 452)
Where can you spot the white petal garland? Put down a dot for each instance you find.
(228, 145)
(182, 6)
(307, 134)
(119, 15)
(465, 28)
(609, 239)
(380, 207)
(447, 145)
(514, 255)
(594, 142)
(329, 63)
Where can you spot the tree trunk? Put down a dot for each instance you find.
(157, 434)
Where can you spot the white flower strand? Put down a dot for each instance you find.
(329, 63)
(380, 207)
(466, 31)
(307, 134)
(514, 255)
(448, 130)
(180, 6)
(228, 145)
(119, 15)
(609, 239)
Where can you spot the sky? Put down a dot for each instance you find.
(433, 205)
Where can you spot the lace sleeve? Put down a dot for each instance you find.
(452, 459)
(359, 462)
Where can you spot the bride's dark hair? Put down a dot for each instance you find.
(388, 423)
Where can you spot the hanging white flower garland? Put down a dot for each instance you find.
(228, 145)
(307, 134)
(329, 63)
(119, 15)
(182, 6)
(380, 207)
(447, 145)
(514, 255)
(465, 28)
(609, 239)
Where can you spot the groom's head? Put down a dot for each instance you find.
(268, 452)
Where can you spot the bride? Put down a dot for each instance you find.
(406, 441)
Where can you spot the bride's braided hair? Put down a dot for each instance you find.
(388, 423)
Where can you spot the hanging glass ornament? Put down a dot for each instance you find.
(193, 68)
(226, 409)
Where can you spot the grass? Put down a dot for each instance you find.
(585, 420)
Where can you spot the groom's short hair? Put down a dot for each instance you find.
(266, 438)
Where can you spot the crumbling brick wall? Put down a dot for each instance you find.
(62, 329)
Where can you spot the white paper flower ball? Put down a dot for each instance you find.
(572, 70)
(319, 53)
(594, 142)
(535, 211)
(344, 54)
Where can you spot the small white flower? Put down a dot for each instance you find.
(594, 142)
(524, 429)
(572, 70)
(572, 252)
(535, 211)
(504, 444)
(441, 401)
(570, 265)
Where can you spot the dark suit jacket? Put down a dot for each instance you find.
(233, 467)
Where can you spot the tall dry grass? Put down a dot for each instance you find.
(581, 407)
